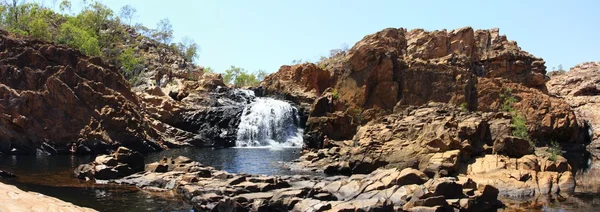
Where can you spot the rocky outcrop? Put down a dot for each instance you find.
(57, 100)
(301, 83)
(121, 163)
(14, 199)
(580, 87)
(528, 176)
(443, 140)
(395, 68)
(384, 190)
(53, 97)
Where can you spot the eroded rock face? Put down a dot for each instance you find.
(580, 87)
(431, 138)
(527, 176)
(441, 140)
(301, 83)
(53, 97)
(395, 68)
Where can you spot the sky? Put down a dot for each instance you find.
(265, 34)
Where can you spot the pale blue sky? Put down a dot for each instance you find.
(261, 34)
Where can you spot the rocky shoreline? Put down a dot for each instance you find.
(208, 189)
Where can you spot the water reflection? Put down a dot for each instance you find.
(52, 175)
(238, 160)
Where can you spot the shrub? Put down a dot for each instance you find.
(78, 38)
(518, 122)
(356, 114)
(463, 106)
(555, 150)
(508, 100)
(519, 125)
(335, 94)
(131, 64)
(239, 77)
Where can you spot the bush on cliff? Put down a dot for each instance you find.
(95, 30)
(518, 122)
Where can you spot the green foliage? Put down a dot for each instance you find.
(260, 75)
(335, 56)
(208, 70)
(356, 114)
(188, 48)
(28, 19)
(231, 73)
(335, 94)
(508, 100)
(95, 30)
(129, 61)
(65, 6)
(519, 125)
(555, 71)
(164, 31)
(240, 77)
(128, 13)
(555, 150)
(246, 79)
(78, 38)
(518, 122)
(463, 106)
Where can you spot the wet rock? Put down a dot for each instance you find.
(123, 162)
(382, 190)
(5, 174)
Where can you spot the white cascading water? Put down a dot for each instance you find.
(267, 122)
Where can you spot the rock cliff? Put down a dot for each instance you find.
(395, 68)
(53, 97)
(580, 87)
(442, 102)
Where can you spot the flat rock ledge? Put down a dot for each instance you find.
(16, 200)
(209, 189)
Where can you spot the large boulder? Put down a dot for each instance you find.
(123, 162)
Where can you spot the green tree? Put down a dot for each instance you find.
(260, 75)
(208, 70)
(131, 64)
(189, 49)
(128, 13)
(65, 6)
(239, 77)
(231, 73)
(78, 38)
(164, 31)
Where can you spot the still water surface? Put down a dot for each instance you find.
(52, 175)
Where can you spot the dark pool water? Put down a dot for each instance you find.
(52, 175)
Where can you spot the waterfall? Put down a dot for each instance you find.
(267, 122)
